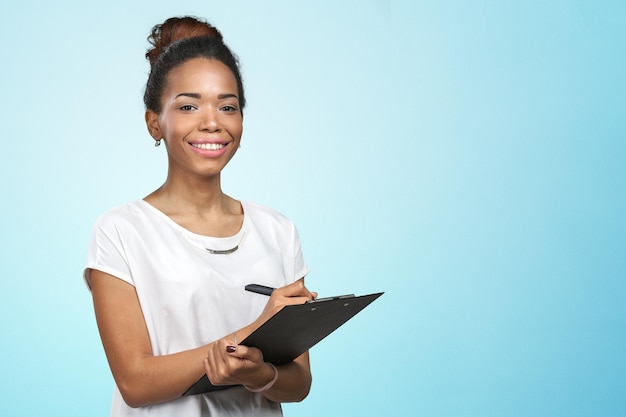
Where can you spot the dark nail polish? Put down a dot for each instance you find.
(230, 349)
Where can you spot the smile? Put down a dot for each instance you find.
(208, 146)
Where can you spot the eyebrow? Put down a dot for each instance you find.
(192, 95)
(198, 96)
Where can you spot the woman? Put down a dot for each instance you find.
(167, 273)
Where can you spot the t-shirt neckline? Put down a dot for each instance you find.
(205, 238)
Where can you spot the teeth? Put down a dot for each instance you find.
(208, 146)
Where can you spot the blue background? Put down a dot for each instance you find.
(465, 157)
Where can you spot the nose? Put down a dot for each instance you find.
(209, 121)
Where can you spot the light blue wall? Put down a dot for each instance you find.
(466, 157)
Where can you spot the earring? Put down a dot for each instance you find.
(158, 142)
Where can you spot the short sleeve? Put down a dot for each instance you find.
(300, 267)
(106, 251)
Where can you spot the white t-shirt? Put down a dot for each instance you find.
(191, 297)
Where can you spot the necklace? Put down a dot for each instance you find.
(217, 251)
(225, 251)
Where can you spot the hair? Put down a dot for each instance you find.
(178, 40)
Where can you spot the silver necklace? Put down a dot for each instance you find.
(218, 251)
(224, 251)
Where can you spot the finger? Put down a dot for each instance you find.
(308, 294)
(249, 354)
(229, 346)
(219, 364)
(211, 366)
(220, 353)
(296, 289)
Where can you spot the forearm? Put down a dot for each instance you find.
(293, 383)
(141, 377)
(155, 379)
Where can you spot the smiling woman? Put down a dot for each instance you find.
(167, 272)
(200, 119)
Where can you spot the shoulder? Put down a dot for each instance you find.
(127, 214)
(267, 219)
(260, 212)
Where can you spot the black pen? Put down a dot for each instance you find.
(259, 289)
(262, 289)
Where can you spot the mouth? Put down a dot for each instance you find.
(208, 146)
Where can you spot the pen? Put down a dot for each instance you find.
(259, 289)
(262, 289)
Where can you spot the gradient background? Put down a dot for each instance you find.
(465, 157)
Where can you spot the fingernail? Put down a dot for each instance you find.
(230, 349)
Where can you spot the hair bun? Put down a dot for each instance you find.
(176, 28)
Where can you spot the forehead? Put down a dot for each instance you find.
(201, 75)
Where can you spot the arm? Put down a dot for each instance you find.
(141, 377)
(294, 381)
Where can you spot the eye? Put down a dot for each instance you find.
(228, 108)
(187, 107)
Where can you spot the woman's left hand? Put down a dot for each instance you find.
(228, 363)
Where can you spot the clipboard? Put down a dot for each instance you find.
(294, 330)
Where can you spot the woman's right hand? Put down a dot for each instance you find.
(295, 293)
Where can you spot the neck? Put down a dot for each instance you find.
(198, 204)
(189, 194)
(193, 192)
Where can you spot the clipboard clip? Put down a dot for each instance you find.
(338, 297)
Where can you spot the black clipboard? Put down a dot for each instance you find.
(294, 330)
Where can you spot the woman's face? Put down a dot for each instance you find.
(200, 119)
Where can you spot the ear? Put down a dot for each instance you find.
(152, 123)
